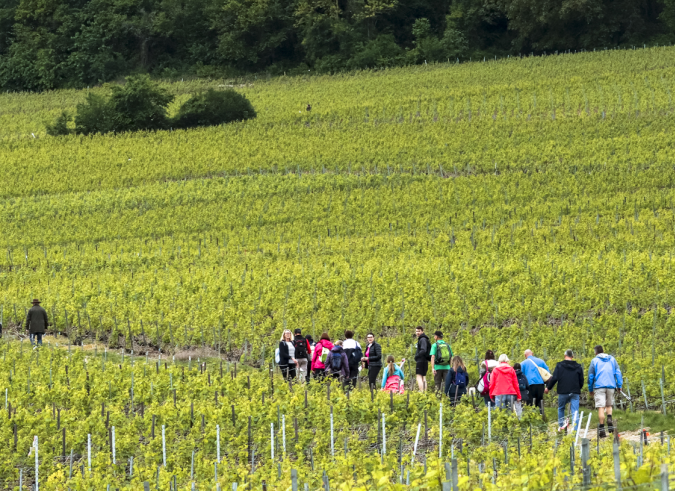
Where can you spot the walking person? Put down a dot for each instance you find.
(354, 355)
(569, 376)
(302, 354)
(311, 344)
(531, 367)
(504, 390)
(337, 365)
(486, 368)
(422, 358)
(287, 362)
(457, 379)
(36, 322)
(372, 359)
(392, 377)
(441, 354)
(321, 351)
(524, 389)
(604, 378)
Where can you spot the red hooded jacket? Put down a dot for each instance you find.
(316, 358)
(504, 381)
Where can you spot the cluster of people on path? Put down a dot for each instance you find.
(502, 385)
(299, 356)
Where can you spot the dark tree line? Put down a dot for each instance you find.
(47, 44)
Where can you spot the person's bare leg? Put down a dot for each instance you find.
(421, 383)
(601, 415)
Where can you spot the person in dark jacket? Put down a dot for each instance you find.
(337, 364)
(456, 380)
(287, 362)
(569, 376)
(310, 343)
(422, 355)
(36, 322)
(372, 359)
(524, 388)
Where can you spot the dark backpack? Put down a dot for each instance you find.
(428, 350)
(442, 354)
(460, 378)
(335, 362)
(354, 356)
(300, 345)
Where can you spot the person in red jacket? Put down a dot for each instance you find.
(504, 389)
(318, 365)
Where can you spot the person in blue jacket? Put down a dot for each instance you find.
(530, 367)
(604, 378)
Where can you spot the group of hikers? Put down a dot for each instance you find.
(502, 385)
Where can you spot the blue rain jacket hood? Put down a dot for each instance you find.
(604, 372)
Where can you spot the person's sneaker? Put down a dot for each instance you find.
(601, 431)
(34, 347)
(610, 424)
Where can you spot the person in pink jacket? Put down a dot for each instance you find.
(504, 388)
(319, 366)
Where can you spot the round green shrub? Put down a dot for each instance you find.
(213, 108)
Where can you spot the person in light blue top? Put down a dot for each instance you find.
(530, 368)
(604, 378)
(392, 377)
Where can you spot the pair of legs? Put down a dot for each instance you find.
(353, 375)
(372, 376)
(302, 369)
(421, 369)
(505, 401)
(573, 401)
(33, 336)
(536, 394)
(604, 400)
(288, 371)
(439, 380)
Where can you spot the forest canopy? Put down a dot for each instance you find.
(48, 44)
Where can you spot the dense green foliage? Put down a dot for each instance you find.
(140, 104)
(213, 108)
(79, 43)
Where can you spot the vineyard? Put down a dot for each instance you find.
(516, 203)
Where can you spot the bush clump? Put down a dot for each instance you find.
(142, 105)
(213, 108)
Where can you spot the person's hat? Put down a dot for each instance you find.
(36, 301)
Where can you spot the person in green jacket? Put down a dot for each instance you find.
(36, 322)
(441, 353)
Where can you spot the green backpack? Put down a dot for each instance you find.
(443, 354)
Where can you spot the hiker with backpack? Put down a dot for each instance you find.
(302, 351)
(486, 368)
(372, 359)
(457, 379)
(337, 365)
(441, 353)
(354, 355)
(422, 358)
(569, 376)
(287, 362)
(524, 389)
(392, 377)
(537, 373)
(604, 378)
(321, 351)
(504, 389)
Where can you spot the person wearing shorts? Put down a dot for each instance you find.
(421, 361)
(604, 378)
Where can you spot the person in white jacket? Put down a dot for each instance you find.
(354, 354)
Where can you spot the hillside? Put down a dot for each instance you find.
(518, 203)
